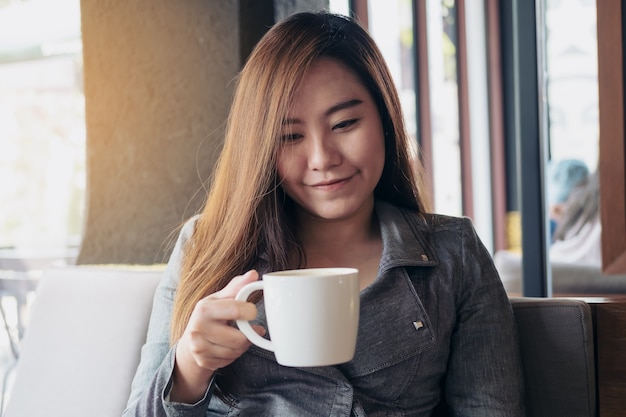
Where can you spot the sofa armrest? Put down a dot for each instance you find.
(557, 347)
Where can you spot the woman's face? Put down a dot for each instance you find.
(333, 148)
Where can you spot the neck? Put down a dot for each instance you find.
(346, 242)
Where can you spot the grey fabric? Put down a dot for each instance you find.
(556, 341)
(82, 343)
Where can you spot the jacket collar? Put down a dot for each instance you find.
(405, 238)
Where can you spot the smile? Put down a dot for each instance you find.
(331, 185)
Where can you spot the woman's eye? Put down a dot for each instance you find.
(345, 124)
(290, 137)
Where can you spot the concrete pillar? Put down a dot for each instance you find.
(158, 85)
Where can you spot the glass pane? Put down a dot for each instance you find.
(572, 74)
(442, 49)
(391, 26)
(339, 7)
(42, 127)
(572, 104)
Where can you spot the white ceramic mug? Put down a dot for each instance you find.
(312, 315)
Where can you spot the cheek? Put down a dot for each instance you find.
(285, 165)
(375, 155)
(286, 169)
(381, 151)
(377, 160)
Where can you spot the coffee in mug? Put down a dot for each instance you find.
(312, 315)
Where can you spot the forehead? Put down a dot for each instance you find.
(326, 82)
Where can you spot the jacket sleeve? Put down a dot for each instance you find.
(150, 386)
(484, 375)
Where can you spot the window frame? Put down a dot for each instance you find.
(610, 25)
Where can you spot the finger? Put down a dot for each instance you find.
(236, 284)
(231, 343)
(219, 358)
(219, 346)
(208, 354)
(226, 309)
(217, 349)
(226, 337)
(259, 329)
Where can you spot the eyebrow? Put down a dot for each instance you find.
(337, 107)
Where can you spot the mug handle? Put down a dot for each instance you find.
(244, 325)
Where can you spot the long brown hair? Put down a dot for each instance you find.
(247, 217)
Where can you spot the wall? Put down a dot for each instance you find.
(158, 84)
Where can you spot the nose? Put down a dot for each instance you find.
(323, 152)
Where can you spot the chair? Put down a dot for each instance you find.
(83, 341)
(557, 346)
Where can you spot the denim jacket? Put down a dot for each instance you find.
(436, 337)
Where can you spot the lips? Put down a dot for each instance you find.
(332, 184)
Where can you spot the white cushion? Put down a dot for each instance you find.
(83, 341)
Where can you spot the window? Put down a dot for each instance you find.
(42, 126)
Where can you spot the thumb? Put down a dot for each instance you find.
(236, 284)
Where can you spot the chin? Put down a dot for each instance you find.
(335, 211)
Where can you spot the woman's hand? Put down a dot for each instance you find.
(209, 342)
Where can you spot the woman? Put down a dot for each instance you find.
(577, 238)
(316, 171)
